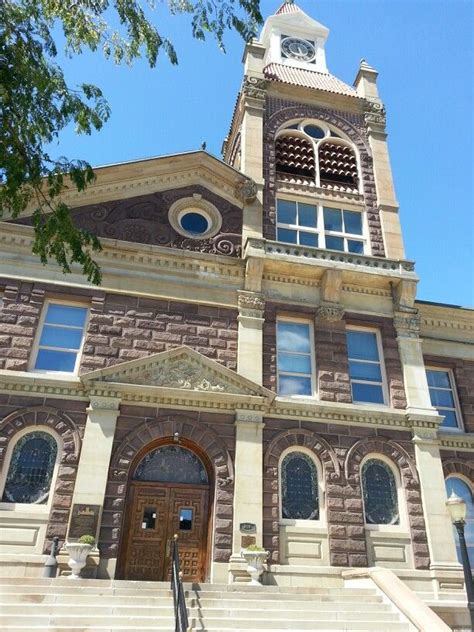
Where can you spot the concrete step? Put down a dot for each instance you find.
(240, 600)
(222, 612)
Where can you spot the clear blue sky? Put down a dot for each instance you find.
(423, 50)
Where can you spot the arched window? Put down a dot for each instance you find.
(171, 464)
(31, 469)
(380, 493)
(315, 153)
(464, 490)
(299, 487)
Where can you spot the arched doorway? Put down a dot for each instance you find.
(169, 493)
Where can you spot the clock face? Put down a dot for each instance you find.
(297, 48)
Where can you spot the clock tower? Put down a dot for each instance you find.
(292, 38)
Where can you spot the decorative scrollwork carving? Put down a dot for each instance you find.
(246, 190)
(331, 313)
(254, 87)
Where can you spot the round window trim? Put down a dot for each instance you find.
(195, 204)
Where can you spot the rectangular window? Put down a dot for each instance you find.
(61, 338)
(365, 366)
(295, 358)
(343, 230)
(321, 227)
(443, 396)
(297, 223)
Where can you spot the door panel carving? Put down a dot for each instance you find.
(157, 512)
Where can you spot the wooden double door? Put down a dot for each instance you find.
(156, 512)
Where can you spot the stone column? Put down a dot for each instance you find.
(439, 529)
(425, 421)
(96, 451)
(248, 492)
(250, 339)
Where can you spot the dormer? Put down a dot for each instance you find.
(292, 38)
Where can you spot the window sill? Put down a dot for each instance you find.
(315, 526)
(387, 531)
(24, 511)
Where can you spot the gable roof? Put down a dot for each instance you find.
(308, 79)
(288, 7)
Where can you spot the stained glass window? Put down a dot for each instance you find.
(299, 487)
(462, 489)
(31, 469)
(171, 464)
(380, 493)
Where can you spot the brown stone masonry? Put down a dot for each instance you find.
(66, 418)
(340, 450)
(391, 355)
(129, 327)
(463, 371)
(458, 462)
(331, 353)
(138, 426)
(120, 328)
(277, 112)
(144, 219)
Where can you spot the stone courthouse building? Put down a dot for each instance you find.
(255, 367)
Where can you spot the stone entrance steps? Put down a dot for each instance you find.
(123, 606)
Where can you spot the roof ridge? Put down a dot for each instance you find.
(306, 77)
(288, 6)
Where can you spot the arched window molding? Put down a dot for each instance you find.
(34, 508)
(403, 524)
(288, 129)
(320, 489)
(469, 526)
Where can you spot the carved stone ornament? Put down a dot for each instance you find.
(331, 313)
(254, 87)
(407, 325)
(180, 373)
(246, 190)
(375, 113)
(251, 304)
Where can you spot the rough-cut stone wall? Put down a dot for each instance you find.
(340, 449)
(66, 418)
(463, 371)
(391, 354)
(138, 426)
(277, 112)
(144, 219)
(331, 353)
(332, 365)
(129, 327)
(19, 316)
(458, 462)
(120, 328)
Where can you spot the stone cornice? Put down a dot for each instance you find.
(129, 179)
(458, 441)
(339, 413)
(40, 384)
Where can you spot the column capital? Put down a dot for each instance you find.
(407, 325)
(332, 312)
(100, 403)
(250, 304)
(248, 417)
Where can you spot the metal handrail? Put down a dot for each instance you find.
(179, 601)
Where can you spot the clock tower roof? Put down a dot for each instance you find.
(288, 7)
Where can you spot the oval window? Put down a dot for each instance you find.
(314, 131)
(194, 223)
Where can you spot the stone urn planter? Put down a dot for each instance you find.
(255, 559)
(78, 553)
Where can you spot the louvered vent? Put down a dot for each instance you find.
(294, 155)
(337, 167)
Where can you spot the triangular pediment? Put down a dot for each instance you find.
(180, 368)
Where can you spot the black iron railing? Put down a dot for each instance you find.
(180, 612)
